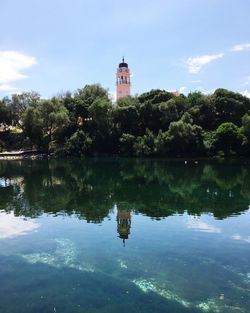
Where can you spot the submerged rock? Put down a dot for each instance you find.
(147, 286)
(65, 255)
(215, 305)
(209, 306)
(122, 264)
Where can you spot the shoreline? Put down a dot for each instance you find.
(36, 155)
(23, 154)
(24, 157)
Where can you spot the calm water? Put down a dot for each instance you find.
(132, 236)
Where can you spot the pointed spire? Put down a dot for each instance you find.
(123, 59)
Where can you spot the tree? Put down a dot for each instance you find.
(127, 142)
(53, 116)
(229, 106)
(5, 113)
(128, 101)
(202, 109)
(90, 93)
(83, 98)
(79, 144)
(19, 103)
(145, 145)
(44, 120)
(100, 126)
(172, 110)
(126, 119)
(182, 139)
(246, 124)
(32, 127)
(155, 96)
(228, 138)
(150, 112)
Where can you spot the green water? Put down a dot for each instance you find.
(132, 236)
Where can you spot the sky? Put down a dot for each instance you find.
(54, 46)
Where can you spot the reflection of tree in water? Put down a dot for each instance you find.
(123, 219)
(89, 188)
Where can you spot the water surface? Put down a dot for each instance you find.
(133, 236)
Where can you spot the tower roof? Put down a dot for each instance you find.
(123, 64)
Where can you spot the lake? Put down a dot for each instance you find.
(123, 235)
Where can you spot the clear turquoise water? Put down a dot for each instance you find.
(124, 236)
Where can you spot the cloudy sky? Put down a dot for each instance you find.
(52, 46)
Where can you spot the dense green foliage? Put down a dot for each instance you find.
(156, 123)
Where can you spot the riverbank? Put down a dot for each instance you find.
(23, 154)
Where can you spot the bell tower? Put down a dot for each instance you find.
(122, 80)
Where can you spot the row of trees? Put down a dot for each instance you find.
(155, 123)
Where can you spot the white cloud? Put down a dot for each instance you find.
(7, 87)
(182, 89)
(241, 47)
(12, 63)
(199, 225)
(246, 93)
(196, 81)
(12, 226)
(195, 64)
(112, 96)
(247, 81)
(240, 238)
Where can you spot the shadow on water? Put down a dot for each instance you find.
(91, 188)
(42, 288)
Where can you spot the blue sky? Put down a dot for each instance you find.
(52, 46)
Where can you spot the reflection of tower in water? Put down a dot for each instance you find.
(123, 224)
